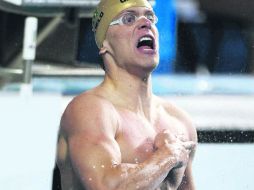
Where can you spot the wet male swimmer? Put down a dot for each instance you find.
(119, 135)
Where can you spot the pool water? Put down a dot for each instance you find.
(224, 167)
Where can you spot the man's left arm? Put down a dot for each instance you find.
(188, 181)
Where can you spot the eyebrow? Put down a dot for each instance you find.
(133, 11)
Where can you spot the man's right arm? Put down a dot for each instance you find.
(91, 128)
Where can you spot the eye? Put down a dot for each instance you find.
(129, 19)
(151, 17)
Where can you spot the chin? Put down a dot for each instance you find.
(150, 66)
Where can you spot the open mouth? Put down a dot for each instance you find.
(146, 43)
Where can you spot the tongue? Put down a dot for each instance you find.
(144, 48)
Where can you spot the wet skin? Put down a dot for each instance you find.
(135, 136)
(119, 136)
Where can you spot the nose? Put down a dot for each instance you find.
(144, 23)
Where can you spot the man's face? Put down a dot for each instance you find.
(134, 45)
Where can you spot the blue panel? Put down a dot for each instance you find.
(166, 12)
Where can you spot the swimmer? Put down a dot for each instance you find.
(119, 135)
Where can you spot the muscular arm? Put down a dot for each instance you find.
(187, 182)
(95, 154)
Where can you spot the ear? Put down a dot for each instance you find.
(105, 47)
(103, 50)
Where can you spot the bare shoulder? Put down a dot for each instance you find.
(88, 111)
(181, 115)
(88, 128)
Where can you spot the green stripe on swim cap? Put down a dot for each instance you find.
(107, 10)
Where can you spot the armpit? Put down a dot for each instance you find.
(61, 149)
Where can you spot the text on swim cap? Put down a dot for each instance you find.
(97, 20)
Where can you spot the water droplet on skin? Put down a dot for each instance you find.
(136, 160)
(102, 166)
(137, 187)
(90, 179)
(94, 167)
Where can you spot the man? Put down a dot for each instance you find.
(119, 135)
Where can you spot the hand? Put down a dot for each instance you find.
(174, 147)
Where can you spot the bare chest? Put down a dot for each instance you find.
(136, 134)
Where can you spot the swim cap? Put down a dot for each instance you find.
(107, 10)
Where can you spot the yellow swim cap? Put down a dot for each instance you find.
(109, 9)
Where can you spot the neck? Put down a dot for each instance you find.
(133, 92)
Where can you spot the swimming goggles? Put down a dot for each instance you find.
(130, 18)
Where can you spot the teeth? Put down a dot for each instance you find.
(145, 38)
(145, 41)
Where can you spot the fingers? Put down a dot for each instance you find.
(166, 138)
(174, 137)
(189, 145)
(181, 137)
(167, 134)
(163, 138)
